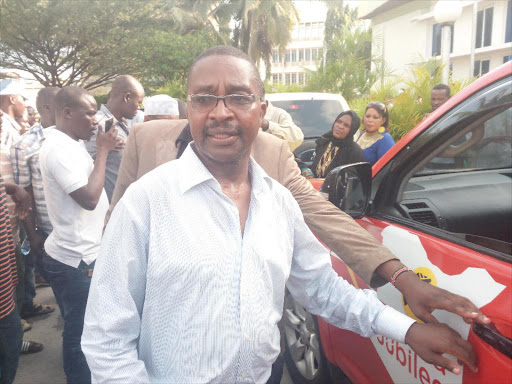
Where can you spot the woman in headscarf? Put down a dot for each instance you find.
(375, 140)
(337, 147)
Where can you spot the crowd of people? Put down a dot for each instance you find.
(346, 143)
(168, 238)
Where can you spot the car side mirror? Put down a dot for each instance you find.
(349, 187)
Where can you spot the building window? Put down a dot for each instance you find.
(508, 28)
(313, 54)
(275, 79)
(437, 38)
(301, 55)
(307, 33)
(308, 54)
(294, 56)
(484, 27)
(481, 67)
(287, 78)
(275, 57)
(294, 78)
(301, 78)
(506, 59)
(287, 57)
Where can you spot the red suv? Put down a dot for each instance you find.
(441, 201)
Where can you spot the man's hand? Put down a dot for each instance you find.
(424, 298)
(23, 201)
(36, 244)
(430, 341)
(107, 141)
(120, 144)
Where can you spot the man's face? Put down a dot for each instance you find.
(19, 105)
(224, 135)
(83, 118)
(437, 98)
(132, 102)
(31, 115)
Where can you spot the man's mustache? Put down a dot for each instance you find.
(216, 128)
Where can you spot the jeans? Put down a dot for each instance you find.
(71, 289)
(30, 281)
(10, 346)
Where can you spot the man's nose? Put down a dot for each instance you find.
(221, 111)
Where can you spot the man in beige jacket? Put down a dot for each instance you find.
(156, 142)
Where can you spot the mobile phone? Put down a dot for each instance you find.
(108, 124)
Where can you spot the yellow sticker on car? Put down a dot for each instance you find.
(428, 277)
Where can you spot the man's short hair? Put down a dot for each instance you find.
(226, 50)
(46, 96)
(69, 97)
(443, 87)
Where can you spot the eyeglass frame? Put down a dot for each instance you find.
(223, 98)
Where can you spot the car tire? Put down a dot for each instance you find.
(303, 355)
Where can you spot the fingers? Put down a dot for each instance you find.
(464, 308)
(446, 363)
(427, 317)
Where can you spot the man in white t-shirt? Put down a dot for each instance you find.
(77, 203)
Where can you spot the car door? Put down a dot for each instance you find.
(443, 206)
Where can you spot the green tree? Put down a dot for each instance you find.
(86, 43)
(261, 25)
(347, 69)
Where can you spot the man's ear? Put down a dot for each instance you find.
(12, 99)
(127, 96)
(67, 113)
(263, 106)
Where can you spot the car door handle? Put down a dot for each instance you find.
(493, 337)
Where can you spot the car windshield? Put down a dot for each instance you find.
(314, 117)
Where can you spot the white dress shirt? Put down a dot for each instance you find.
(180, 296)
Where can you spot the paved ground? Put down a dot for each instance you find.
(45, 367)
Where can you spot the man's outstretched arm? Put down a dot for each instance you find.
(367, 257)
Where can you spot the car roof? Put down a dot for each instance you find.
(307, 96)
(499, 73)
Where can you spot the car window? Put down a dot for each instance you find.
(465, 188)
(487, 146)
(314, 117)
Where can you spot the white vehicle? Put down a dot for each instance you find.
(312, 112)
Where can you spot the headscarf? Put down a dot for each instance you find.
(322, 163)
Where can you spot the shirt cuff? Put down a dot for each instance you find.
(393, 324)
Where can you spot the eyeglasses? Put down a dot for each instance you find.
(205, 103)
(377, 104)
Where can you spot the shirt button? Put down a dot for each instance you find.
(244, 375)
(247, 337)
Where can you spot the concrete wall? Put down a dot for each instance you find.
(404, 36)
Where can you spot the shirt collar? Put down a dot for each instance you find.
(8, 119)
(123, 123)
(193, 172)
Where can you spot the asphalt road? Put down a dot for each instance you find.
(45, 367)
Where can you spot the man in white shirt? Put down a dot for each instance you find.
(77, 203)
(190, 282)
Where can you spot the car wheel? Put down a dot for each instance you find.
(303, 354)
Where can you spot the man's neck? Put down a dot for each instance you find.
(8, 111)
(114, 110)
(66, 131)
(227, 173)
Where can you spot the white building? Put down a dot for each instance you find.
(405, 33)
(305, 48)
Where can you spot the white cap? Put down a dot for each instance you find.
(160, 105)
(12, 87)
